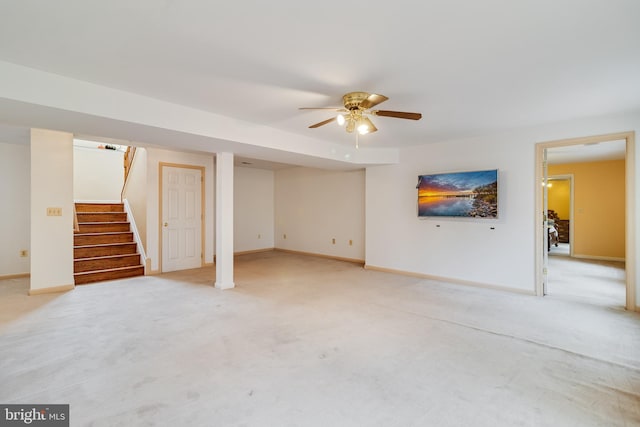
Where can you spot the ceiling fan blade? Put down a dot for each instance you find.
(372, 100)
(398, 114)
(317, 125)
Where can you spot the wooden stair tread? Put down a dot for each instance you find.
(86, 277)
(101, 216)
(100, 245)
(86, 273)
(103, 222)
(100, 213)
(84, 239)
(99, 207)
(103, 233)
(106, 262)
(103, 227)
(106, 257)
(105, 213)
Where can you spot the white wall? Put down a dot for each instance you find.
(467, 249)
(15, 194)
(98, 174)
(51, 186)
(136, 192)
(314, 206)
(154, 157)
(253, 198)
(463, 249)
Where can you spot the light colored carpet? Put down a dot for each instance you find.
(563, 249)
(304, 341)
(587, 281)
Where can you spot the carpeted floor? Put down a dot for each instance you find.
(305, 341)
(587, 281)
(562, 249)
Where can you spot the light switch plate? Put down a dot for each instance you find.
(54, 211)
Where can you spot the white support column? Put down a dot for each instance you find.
(224, 221)
(51, 211)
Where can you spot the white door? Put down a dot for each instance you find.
(181, 218)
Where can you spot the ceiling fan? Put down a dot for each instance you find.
(357, 108)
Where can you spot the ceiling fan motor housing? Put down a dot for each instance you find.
(352, 100)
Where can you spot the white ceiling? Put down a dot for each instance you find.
(471, 67)
(609, 150)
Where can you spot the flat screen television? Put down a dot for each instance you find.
(459, 194)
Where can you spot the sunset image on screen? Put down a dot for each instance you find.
(462, 194)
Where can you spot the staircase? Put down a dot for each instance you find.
(104, 247)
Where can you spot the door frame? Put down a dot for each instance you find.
(566, 177)
(630, 203)
(160, 207)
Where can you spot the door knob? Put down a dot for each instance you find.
(166, 224)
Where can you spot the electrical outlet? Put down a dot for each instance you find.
(54, 211)
(24, 253)
(333, 241)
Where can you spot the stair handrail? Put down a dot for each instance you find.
(76, 226)
(128, 161)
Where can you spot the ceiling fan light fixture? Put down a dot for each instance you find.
(351, 125)
(366, 126)
(363, 129)
(357, 106)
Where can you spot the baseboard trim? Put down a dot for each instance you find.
(51, 290)
(599, 258)
(254, 251)
(337, 258)
(14, 276)
(451, 280)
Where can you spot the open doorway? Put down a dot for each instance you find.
(559, 214)
(595, 230)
